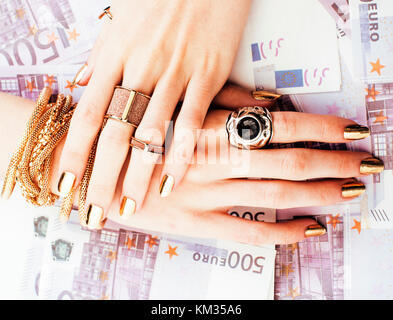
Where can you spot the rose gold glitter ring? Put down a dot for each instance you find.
(128, 106)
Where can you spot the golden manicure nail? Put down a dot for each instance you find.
(166, 186)
(127, 208)
(371, 165)
(66, 183)
(314, 230)
(78, 77)
(94, 217)
(265, 95)
(356, 132)
(352, 189)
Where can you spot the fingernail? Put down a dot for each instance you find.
(66, 183)
(127, 208)
(94, 217)
(79, 76)
(371, 165)
(352, 189)
(314, 230)
(356, 132)
(63, 219)
(265, 95)
(166, 186)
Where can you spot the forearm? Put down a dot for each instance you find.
(15, 114)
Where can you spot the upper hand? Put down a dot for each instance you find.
(172, 50)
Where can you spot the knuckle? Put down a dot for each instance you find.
(89, 115)
(150, 135)
(111, 136)
(287, 127)
(345, 165)
(323, 129)
(324, 196)
(74, 155)
(294, 163)
(271, 194)
(193, 120)
(277, 195)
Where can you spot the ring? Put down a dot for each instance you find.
(106, 12)
(250, 127)
(128, 106)
(141, 145)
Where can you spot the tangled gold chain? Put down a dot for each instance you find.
(31, 163)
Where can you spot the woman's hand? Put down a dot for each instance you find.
(222, 177)
(172, 50)
(199, 206)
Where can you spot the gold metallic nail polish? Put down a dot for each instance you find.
(127, 208)
(371, 165)
(166, 186)
(352, 189)
(265, 95)
(94, 217)
(356, 132)
(66, 183)
(78, 77)
(314, 230)
(8, 188)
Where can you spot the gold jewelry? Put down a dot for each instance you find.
(113, 117)
(141, 145)
(128, 105)
(106, 12)
(265, 95)
(250, 127)
(356, 132)
(31, 163)
(166, 186)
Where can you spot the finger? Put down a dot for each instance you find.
(293, 164)
(189, 121)
(112, 150)
(151, 130)
(221, 225)
(279, 194)
(86, 123)
(297, 126)
(84, 74)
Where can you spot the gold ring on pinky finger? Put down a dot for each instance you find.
(141, 145)
(106, 12)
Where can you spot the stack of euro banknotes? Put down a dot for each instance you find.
(327, 57)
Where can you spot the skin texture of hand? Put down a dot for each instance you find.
(199, 206)
(172, 50)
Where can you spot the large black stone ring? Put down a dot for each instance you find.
(250, 128)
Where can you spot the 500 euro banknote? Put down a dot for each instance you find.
(36, 32)
(120, 263)
(339, 11)
(372, 41)
(289, 47)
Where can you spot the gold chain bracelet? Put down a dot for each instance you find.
(31, 163)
